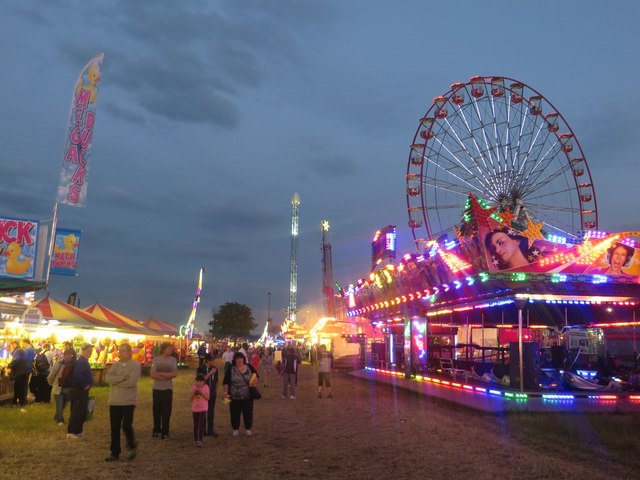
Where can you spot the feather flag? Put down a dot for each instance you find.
(72, 188)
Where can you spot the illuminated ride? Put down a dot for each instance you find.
(186, 330)
(509, 263)
(505, 142)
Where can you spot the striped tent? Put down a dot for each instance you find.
(68, 315)
(126, 324)
(161, 327)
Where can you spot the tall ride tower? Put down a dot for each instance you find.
(293, 281)
(327, 272)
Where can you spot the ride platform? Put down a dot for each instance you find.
(497, 398)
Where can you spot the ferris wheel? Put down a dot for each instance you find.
(503, 141)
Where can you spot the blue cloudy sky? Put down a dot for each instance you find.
(213, 113)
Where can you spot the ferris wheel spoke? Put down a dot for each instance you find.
(458, 188)
(540, 168)
(544, 141)
(555, 193)
(472, 137)
(454, 133)
(541, 182)
(458, 164)
(498, 147)
(531, 146)
(486, 139)
(553, 224)
(550, 207)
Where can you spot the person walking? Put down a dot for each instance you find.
(20, 369)
(38, 384)
(227, 357)
(123, 377)
(199, 406)
(60, 393)
(236, 385)
(81, 383)
(290, 361)
(210, 372)
(325, 364)
(202, 351)
(267, 364)
(163, 370)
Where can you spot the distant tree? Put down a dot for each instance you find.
(232, 320)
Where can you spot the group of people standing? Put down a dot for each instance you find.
(70, 380)
(29, 371)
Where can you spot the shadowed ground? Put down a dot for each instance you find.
(368, 430)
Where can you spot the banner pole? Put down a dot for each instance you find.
(51, 243)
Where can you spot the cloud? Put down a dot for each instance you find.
(125, 114)
(237, 217)
(335, 167)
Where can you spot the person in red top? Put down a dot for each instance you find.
(255, 360)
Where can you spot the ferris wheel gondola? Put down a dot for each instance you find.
(503, 141)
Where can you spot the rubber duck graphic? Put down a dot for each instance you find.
(93, 79)
(70, 242)
(14, 265)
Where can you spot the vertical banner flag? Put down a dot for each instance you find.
(72, 189)
(64, 260)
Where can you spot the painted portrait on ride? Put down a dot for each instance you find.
(620, 259)
(508, 249)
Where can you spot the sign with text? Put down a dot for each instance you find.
(64, 260)
(18, 247)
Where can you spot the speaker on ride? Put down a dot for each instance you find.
(530, 372)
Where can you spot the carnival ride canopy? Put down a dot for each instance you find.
(488, 246)
(120, 320)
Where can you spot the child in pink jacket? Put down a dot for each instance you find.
(199, 405)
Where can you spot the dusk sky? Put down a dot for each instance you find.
(211, 114)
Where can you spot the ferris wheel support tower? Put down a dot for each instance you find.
(293, 279)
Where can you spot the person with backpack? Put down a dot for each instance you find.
(41, 368)
(81, 383)
(60, 380)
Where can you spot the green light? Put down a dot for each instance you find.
(484, 276)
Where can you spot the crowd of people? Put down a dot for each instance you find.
(67, 375)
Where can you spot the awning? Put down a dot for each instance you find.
(68, 315)
(161, 327)
(126, 324)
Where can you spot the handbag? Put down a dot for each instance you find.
(254, 393)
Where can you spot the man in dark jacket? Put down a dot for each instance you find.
(81, 383)
(20, 370)
(210, 372)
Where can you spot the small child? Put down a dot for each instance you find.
(279, 368)
(199, 405)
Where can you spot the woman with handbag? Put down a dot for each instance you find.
(239, 381)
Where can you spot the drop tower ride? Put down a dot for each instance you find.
(293, 279)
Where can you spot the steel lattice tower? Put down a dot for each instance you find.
(293, 281)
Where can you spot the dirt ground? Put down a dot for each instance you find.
(366, 431)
